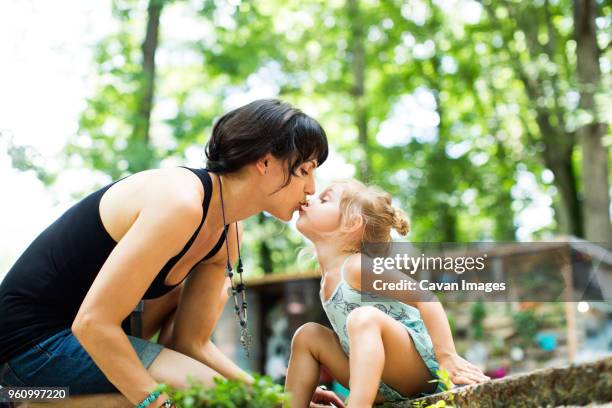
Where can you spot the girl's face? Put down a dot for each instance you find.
(284, 202)
(322, 214)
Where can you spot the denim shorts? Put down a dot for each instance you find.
(61, 361)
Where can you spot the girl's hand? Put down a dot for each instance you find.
(461, 371)
(325, 398)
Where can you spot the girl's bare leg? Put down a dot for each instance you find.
(313, 345)
(382, 348)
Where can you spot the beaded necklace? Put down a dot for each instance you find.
(240, 307)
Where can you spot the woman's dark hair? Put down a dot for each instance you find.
(246, 134)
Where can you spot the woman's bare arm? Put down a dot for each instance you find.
(159, 232)
(201, 304)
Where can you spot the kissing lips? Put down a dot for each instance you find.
(301, 207)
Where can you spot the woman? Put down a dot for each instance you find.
(157, 235)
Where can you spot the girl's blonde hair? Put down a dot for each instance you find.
(375, 208)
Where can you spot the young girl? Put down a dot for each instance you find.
(380, 348)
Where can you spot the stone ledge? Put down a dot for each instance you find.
(578, 385)
(573, 385)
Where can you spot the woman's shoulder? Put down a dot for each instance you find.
(171, 194)
(170, 186)
(181, 182)
(177, 192)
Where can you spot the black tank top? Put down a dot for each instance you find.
(43, 291)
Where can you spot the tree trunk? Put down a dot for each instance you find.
(504, 223)
(440, 163)
(142, 121)
(558, 143)
(562, 167)
(596, 187)
(357, 47)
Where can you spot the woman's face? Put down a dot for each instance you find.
(284, 202)
(322, 214)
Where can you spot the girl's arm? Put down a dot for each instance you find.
(201, 304)
(460, 370)
(435, 320)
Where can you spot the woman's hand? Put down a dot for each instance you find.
(325, 398)
(460, 370)
(161, 400)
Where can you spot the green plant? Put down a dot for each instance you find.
(444, 378)
(263, 393)
(526, 325)
(478, 314)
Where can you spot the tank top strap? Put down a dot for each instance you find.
(343, 266)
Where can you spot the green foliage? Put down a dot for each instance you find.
(105, 139)
(26, 158)
(445, 380)
(273, 245)
(526, 325)
(499, 87)
(478, 314)
(263, 393)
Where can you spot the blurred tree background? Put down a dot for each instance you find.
(446, 104)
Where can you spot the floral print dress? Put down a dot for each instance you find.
(345, 299)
